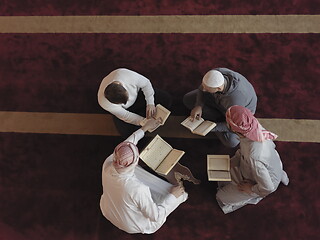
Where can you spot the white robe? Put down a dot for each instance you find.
(256, 161)
(136, 202)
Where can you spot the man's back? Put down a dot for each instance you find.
(238, 91)
(117, 202)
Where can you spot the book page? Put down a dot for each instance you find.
(168, 163)
(155, 152)
(162, 112)
(218, 162)
(204, 128)
(219, 176)
(192, 124)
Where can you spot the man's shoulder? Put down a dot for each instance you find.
(258, 149)
(124, 71)
(232, 75)
(224, 70)
(119, 72)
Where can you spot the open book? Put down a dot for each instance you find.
(160, 156)
(161, 112)
(218, 167)
(198, 126)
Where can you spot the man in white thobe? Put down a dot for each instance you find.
(256, 167)
(134, 200)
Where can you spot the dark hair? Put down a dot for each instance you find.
(116, 93)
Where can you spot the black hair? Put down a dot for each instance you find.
(116, 93)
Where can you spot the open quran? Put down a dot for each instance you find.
(160, 156)
(198, 126)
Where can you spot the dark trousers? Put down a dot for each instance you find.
(139, 107)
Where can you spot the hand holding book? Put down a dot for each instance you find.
(150, 110)
(198, 126)
(151, 124)
(161, 114)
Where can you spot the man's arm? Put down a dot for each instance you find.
(125, 115)
(196, 112)
(235, 160)
(151, 210)
(145, 85)
(200, 98)
(156, 212)
(137, 135)
(264, 186)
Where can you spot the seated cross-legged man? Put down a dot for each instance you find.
(221, 88)
(133, 199)
(256, 168)
(130, 98)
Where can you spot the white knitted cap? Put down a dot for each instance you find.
(213, 79)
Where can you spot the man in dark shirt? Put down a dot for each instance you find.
(221, 88)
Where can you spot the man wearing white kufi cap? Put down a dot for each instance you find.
(213, 79)
(221, 88)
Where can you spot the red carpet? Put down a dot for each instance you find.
(62, 72)
(50, 189)
(160, 7)
(50, 185)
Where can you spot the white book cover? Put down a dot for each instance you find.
(218, 167)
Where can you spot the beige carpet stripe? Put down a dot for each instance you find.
(289, 130)
(162, 24)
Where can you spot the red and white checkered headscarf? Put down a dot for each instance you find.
(241, 120)
(125, 154)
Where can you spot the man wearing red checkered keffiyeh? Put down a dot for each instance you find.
(256, 168)
(241, 120)
(133, 199)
